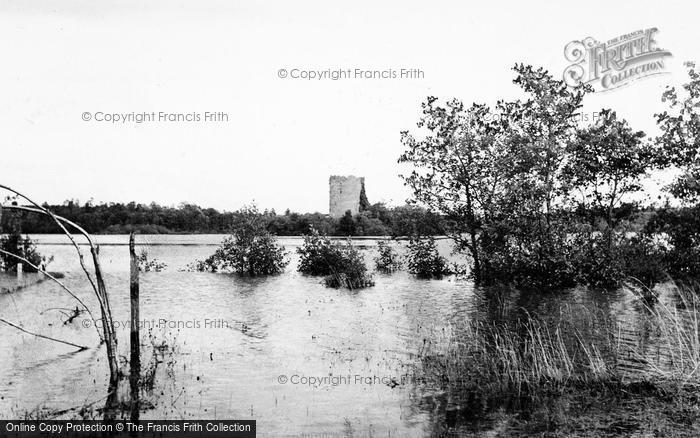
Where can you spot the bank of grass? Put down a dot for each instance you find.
(577, 376)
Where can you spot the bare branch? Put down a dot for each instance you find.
(79, 347)
(2, 251)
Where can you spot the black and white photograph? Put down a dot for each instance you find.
(349, 219)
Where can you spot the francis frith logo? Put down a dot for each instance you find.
(616, 62)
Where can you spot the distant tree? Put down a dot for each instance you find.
(380, 211)
(368, 225)
(413, 220)
(118, 218)
(346, 225)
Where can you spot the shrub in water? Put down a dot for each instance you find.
(250, 250)
(387, 259)
(681, 229)
(317, 254)
(341, 264)
(424, 260)
(200, 266)
(594, 260)
(250, 255)
(349, 271)
(146, 265)
(14, 243)
(609, 261)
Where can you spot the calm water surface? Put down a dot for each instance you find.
(248, 348)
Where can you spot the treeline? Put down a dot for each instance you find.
(118, 218)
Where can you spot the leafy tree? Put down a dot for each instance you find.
(455, 168)
(535, 133)
(606, 162)
(680, 138)
(496, 174)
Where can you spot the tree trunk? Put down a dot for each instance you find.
(472, 235)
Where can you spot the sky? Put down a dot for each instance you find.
(284, 136)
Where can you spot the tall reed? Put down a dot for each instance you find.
(532, 355)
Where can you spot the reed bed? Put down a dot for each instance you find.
(531, 355)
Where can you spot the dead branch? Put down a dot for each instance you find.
(98, 286)
(63, 286)
(59, 220)
(39, 209)
(79, 347)
(75, 313)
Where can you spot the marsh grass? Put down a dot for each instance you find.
(498, 361)
(677, 332)
(584, 359)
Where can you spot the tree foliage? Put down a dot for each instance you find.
(387, 259)
(13, 242)
(424, 260)
(606, 161)
(341, 263)
(117, 218)
(522, 184)
(249, 250)
(496, 173)
(680, 138)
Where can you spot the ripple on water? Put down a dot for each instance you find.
(234, 337)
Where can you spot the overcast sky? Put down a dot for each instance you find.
(284, 136)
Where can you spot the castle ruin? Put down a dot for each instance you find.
(346, 193)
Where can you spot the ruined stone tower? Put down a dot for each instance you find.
(346, 193)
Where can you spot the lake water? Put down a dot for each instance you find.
(249, 348)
